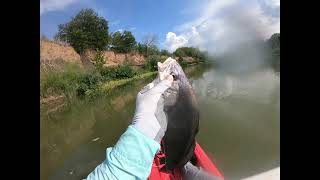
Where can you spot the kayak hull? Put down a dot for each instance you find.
(159, 171)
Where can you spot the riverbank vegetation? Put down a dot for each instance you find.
(274, 49)
(72, 81)
(89, 31)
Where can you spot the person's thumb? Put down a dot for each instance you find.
(163, 85)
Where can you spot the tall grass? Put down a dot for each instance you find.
(72, 80)
(62, 81)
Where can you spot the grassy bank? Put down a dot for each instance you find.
(70, 80)
(116, 83)
(73, 81)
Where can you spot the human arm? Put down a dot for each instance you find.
(132, 156)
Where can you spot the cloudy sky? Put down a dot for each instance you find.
(212, 25)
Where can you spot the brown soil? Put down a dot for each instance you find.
(52, 52)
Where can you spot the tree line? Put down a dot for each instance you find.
(88, 30)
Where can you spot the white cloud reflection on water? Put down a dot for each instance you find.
(260, 86)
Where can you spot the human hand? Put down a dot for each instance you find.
(149, 117)
(191, 172)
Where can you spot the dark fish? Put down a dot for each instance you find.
(181, 110)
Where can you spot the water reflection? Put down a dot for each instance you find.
(239, 124)
(240, 120)
(258, 86)
(66, 147)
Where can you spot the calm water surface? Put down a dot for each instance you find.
(239, 124)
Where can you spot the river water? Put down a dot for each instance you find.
(239, 124)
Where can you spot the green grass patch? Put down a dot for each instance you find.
(73, 81)
(116, 83)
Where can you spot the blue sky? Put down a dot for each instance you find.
(142, 17)
(200, 23)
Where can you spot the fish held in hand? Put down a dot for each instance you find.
(181, 114)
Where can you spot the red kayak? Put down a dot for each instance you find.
(158, 170)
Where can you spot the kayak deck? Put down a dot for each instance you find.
(273, 174)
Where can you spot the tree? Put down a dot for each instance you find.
(85, 31)
(122, 42)
(274, 49)
(190, 52)
(152, 61)
(165, 53)
(274, 41)
(149, 41)
(153, 50)
(141, 48)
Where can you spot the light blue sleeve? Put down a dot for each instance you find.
(130, 158)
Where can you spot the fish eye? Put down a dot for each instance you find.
(174, 77)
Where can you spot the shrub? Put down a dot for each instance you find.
(153, 50)
(141, 49)
(124, 71)
(58, 83)
(119, 72)
(183, 64)
(99, 60)
(105, 73)
(165, 53)
(88, 81)
(152, 61)
(81, 90)
(191, 52)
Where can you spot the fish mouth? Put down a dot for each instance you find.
(169, 67)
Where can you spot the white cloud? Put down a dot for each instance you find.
(173, 41)
(272, 3)
(210, 9)
(54, 5)
(223, 24)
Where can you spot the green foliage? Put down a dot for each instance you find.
(147, 50)
(88, 82)
(59, 82)
(73, 81)
(141, 49)
(99, 60)
(85, 31)
(152, 50)
(191, 52)
(273, 45)
(122, 42)
(187, 51)
(274, 41)
(122, 71)
(151, 63)
(276, 52)
(90, 79)
(118, 72)
(165, 53)
(183, 64)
